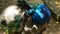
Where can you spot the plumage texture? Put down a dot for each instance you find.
(42, 15)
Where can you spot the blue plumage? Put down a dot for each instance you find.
(42, 15)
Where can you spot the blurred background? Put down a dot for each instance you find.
(53, 5)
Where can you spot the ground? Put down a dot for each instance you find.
(54, 28)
